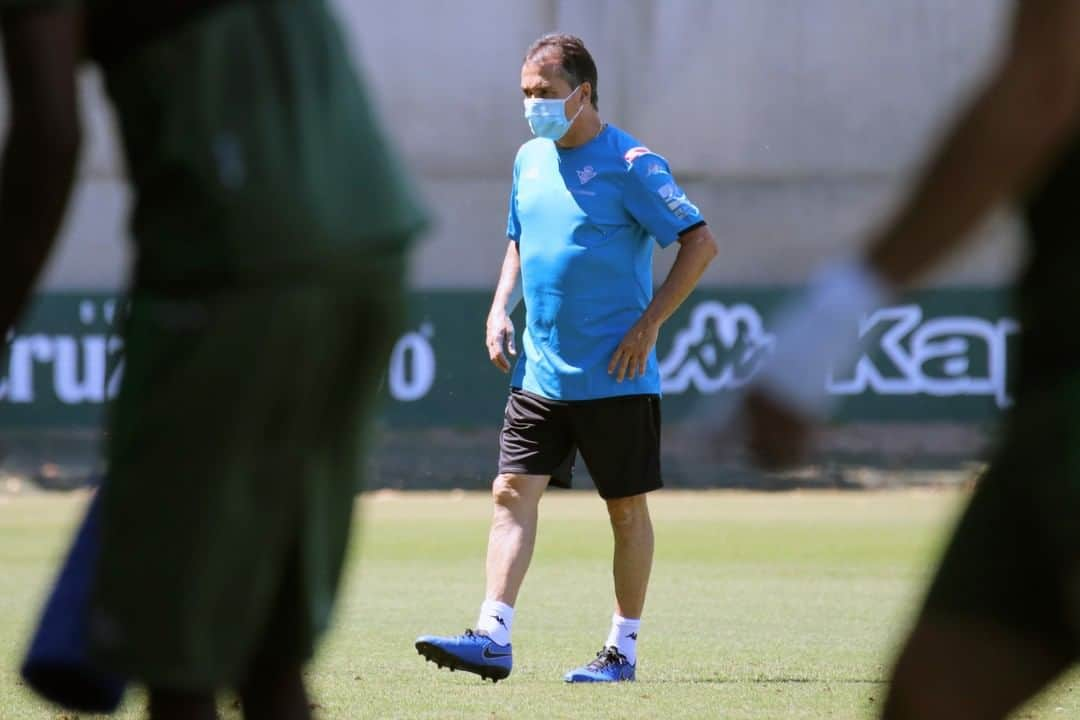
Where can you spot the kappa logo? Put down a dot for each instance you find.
(586, 174)
(940, 357)
(657, 169)
(722, 349)
(906, 354)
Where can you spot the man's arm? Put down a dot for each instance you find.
(998, 146)
(500, 329)
(41, 53)
(697, 248)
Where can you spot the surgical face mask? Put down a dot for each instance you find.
(547, 118)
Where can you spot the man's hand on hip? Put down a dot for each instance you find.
(631, 358)
(500, 335)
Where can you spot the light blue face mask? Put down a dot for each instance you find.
(547, 118)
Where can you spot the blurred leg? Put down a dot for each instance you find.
(276, 693)
(967, 670)
(171, 705)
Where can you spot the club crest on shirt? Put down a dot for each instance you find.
(586, 174)
(635, 152)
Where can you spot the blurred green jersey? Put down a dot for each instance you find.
(254, 153)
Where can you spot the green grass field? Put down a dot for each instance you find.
(761, 606)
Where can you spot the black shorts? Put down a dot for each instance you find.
(618, 438)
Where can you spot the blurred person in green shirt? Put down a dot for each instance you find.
(271, 224)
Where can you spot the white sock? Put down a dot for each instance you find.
(496, 619)
(623, 636)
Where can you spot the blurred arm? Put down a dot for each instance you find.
(41, 53)
(998, 146)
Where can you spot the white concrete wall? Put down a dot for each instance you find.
(791, 122)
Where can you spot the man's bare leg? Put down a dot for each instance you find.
(632, 564)
(631, 567)
(513, 534)
(486, 651)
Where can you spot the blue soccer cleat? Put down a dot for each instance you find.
(58, 665)
(610, 665)
(471, 652)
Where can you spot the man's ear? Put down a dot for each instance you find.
(586, 92)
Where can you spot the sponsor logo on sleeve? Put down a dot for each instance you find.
(676, 201)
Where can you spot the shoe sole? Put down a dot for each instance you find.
(582, 681)
(435, 654)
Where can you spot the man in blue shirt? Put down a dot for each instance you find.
(588, 202)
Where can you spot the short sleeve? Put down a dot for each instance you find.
(513, 225)
(654, 198)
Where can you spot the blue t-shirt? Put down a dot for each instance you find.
(585, 220)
